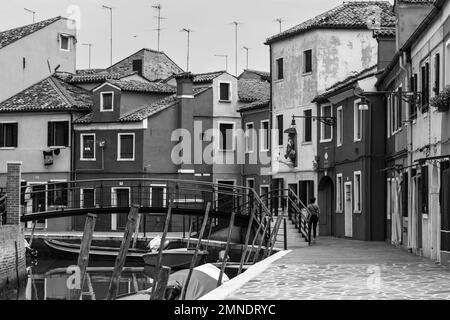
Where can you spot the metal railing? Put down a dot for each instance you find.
(3, 200)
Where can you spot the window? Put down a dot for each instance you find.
(437, 74)
(106, 101)
(125, 147)
(357, 121)
(57, 194)
(137, 66)
(339, 189)
(226, 136)
(265, 137)
(307, 133)
(8, 135)
(87, 198)
(225, 92)
(425, 86)
(280, 129)
(325, 130)
(340, 126)
(412, 106)
(58, 134)
(307, 56)
(399, 116)
(357, 191)
(64, 42)
(280, 72)
(388, 199)
(88, 147)
(249, 137)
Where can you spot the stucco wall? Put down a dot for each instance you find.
(40, 50)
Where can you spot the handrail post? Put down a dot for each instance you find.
(227, 248)
(247, 238)
(194, 258)
(285, 234)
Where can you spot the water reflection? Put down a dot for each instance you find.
(49, 280)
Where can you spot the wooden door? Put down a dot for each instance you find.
(348, 210)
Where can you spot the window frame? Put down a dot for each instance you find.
(119, 146)
(262, 139)
(247, 132)
(52, 144)
(356, 112)
(306, 72)
(277, 63)
(339, 126)
(339, 193)
(102, 109)
(230, 92)
(306, 118)
(357, 194)
(2, 123)
(82, 147)
(61, 36)
(280, 131)
(322, 125)
(233, 136)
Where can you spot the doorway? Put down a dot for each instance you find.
(326, 204)
(120, 199)
(348, 210)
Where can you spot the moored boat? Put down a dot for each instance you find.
(178, 258)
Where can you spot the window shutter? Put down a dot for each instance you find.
(437, 74)
(2, 138)
(50, 137)
(424, 181)
(66, 133)
(15, 133)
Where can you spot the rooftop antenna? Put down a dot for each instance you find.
(32, 12)
(89, 45)
(111, 31)
(236, 43)
(280, 21)
(158, 7)
(188, 31)
(246, 49)
(226, 60)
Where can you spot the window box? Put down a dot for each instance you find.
(442, 101)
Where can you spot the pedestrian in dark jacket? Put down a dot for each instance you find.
(313, 219)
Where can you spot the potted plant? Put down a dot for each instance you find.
(442, 100)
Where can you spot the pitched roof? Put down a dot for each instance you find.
(351, 79)
(262, 74)
(207, 77)
(425, 2)
(146, 111)
(50, 94)
(349, 15)
(385, 33)
(91, 76)
(142, 86)
(255, 105)
(9, 36)
(251, 90)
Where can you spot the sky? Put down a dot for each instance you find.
(134, 23)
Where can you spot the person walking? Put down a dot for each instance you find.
(312, 219)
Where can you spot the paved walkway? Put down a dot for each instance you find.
(346, 269)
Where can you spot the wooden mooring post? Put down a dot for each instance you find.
(227, 248)
(120, 260)
(83, 257)
(159, 289)
(158, 269)
(194, 259)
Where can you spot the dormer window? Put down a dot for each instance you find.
(137, 66)
(64, 42)
(225, 91)
(106, 101)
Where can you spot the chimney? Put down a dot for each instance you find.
(409, 16)
(185, 95)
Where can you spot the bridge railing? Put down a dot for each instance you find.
(147, 193)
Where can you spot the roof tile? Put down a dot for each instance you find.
(251, 90)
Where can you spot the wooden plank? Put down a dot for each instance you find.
(197, 248)
(266, 228)
(83, 257)
(32, 233)
(160, 252)
(120, 260)
(136, 231)
(247, 239)
(161, 284)
(227, 248)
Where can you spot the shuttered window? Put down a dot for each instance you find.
(307, 61)
(126, 146)
(58, 134)
(412, 106)
(8, 135)
(280, 129)
(308, 126)
(424, 189)
(225, 92)
(425, 86)
(280, 70)
(437, 73)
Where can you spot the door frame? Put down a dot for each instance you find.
(218, 181)
(114, 199)
(164, 187)
(82, 196)
(348, 216)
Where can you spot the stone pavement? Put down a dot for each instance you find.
(335, 269)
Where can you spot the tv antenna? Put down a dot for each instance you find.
(236, 43)
(111, 31)
(246, 49)
(89, 45)
(188, 31)
(280, 21)
(32, 12)
(159, 18)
